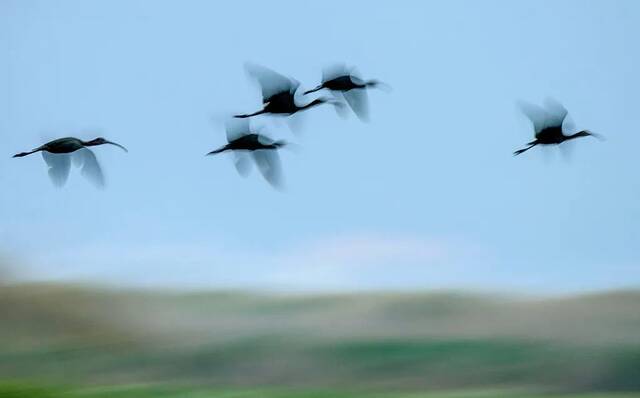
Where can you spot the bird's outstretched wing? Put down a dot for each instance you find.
(263, 139)
(90, 168)
(268, 162)
(557, 112)
(333, 71)
(538, 116)
(355, 74)
(271, 83)
(358, 100)
(242, 162)
(236, 128)
(341, 111)
(59, 165)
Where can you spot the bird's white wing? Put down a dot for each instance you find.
(568, 126)
(268, 162)
(91, 169)
(242, 162)
(59, 165)
(235, 128)
(297, 122)
(557, 112)
(271, 83)
(538, 116)
(341, 109)
(358, 100)
(332, 71)
(264, 140)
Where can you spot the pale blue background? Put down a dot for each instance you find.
(426, 195)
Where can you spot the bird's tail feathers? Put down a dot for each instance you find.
(280, 143)
(378, 84)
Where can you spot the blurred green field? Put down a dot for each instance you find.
(238, 344)
(25, 391)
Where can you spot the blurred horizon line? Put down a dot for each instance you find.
(275, 291)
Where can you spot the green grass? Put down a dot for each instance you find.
(25, 390)
(379, 342)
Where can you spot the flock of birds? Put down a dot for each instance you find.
(280, 96)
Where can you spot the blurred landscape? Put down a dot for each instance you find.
(363, 230)
(150, 342)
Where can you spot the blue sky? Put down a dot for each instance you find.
(425, 195)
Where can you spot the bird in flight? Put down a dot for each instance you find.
(279, 93)
(58, 154)
(247, 145)
(549, 124)
(346, 82)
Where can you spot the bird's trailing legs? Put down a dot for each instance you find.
(531, 145)
(23, 154)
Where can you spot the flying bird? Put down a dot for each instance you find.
(346, 82)
(548, 125)
(58, 154)
(242, 142)
(279, 93)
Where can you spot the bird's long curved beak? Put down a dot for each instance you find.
(118, 145)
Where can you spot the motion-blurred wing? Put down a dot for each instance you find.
(566, 150)
(268, 162)
(333, 71)
(91, 169)
(271, 83)
(236, 128)
(263, 139)
(557, 113)
(341, 110)
(568, 126)
(355, 74)
(297, 122)
(358, 100)
(242, 162)
(59, 165)
(538, 116)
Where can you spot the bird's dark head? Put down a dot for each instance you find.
(102, 141)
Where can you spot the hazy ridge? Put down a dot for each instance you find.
(383, 340)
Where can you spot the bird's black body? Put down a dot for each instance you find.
(283, 103)
(548, 125)
(58, 154)
(551, 135)
(247, 145)
(67, 145)
(345, 83)
(63, 145)
(249, 142)
(278, 93)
